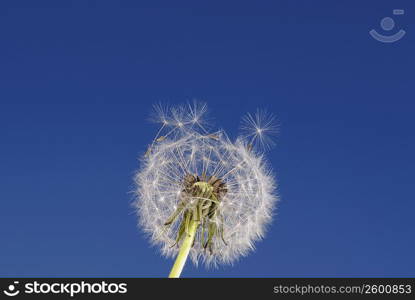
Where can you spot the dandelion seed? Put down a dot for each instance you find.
(259, 129)
(199, 194)
(160, 114)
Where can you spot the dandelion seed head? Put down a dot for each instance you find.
(233, 182)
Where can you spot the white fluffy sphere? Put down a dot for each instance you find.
(244, 210)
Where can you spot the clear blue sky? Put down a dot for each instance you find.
(77, 81)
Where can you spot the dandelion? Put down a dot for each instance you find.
(201, 195)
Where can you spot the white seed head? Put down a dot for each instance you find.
(245, 201)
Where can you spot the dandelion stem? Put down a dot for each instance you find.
(184, 250)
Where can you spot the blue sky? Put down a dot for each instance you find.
(77, 82)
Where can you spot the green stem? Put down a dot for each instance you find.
(184, 250)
